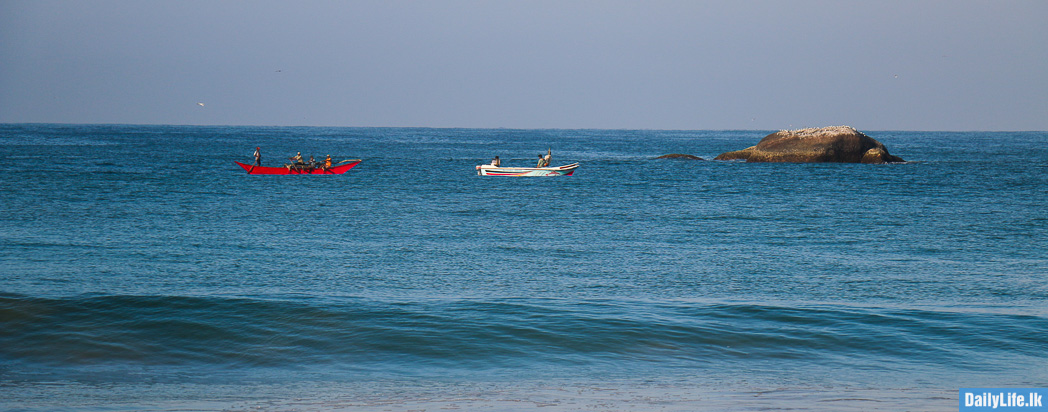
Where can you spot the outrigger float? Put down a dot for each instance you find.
(301, 169)
(490, 170)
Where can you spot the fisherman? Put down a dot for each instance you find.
(496, 162)
(296, 162)
(327, 162)
(544, 161)
(258, 156)
(312, 162)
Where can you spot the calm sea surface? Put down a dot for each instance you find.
(143, 270)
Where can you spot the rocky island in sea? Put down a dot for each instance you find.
(839, 144)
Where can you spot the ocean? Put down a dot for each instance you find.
(143, 270)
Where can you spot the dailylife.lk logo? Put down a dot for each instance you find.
(1002, 399)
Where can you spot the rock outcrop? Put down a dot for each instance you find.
(680, 156)
(840, 144)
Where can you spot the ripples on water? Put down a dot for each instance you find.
(141, 253)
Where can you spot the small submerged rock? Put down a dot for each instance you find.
(680, 156)
(839, 144)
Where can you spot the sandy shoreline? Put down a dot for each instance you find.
(422, 396)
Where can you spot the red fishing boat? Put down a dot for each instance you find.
(338, 169)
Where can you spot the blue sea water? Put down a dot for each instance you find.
(143, 270)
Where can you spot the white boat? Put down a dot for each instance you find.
(490, 170)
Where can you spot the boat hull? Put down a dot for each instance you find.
(489, 170)
(265, 170)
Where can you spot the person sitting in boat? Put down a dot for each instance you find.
(312, 162)
(544, 161)
(296, 162)
(496, 162)
(327, 162)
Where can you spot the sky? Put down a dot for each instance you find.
(676, 65)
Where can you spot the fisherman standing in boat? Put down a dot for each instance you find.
(496, 162)
(258, 156)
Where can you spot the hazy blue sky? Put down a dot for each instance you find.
(875, 65)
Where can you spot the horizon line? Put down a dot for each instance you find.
(502, 128)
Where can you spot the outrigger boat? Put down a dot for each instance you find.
(301, 169)
(490, 170)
